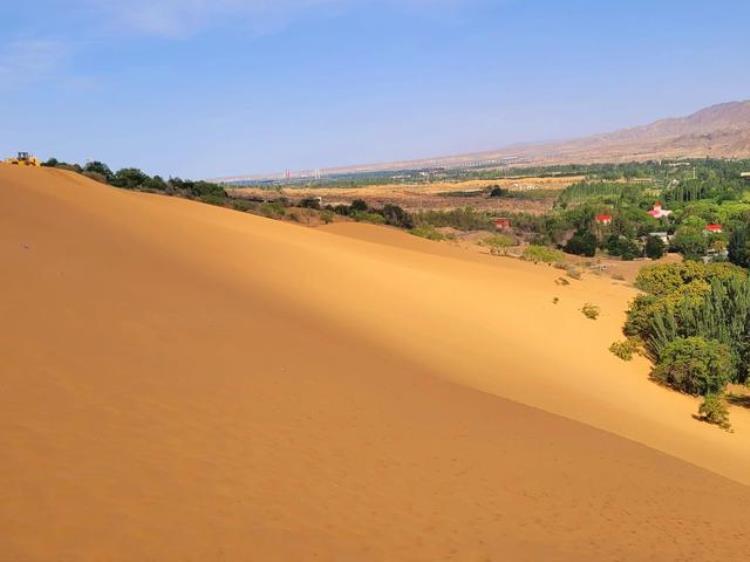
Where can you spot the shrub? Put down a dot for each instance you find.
(714, 410)
(630, 250)
(739, 246)
(129, 178)
(202, 188)
(590, 311)
(396, 216)
(690, 242)
(498, 191)
(655, 247)
(582, 244)
(213, 199)
(99, 168)
(363, 216)
(624, 247)
(663, 279)
(273, 210)
(243, 205)
(695, 365)
(462, 219)
(573, 272)
(624, 349)
(96, 177)
(358, 206)
(542, 254)
(498, 241)
(158, 184)
(327, 216)
(429, 232)
(310, 203)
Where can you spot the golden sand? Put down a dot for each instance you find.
(183, 382)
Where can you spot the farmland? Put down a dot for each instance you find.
(535, 195)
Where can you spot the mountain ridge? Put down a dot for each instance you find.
(717, 131)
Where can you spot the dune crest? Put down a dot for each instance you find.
(183, 382)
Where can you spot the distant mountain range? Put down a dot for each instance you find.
(719, 131)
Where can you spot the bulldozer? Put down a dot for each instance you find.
(23, 159)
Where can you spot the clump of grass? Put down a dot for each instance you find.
(562, 281)
(624, 349)
(364, 216)
(714, 410)
(542, 254)
(573, 272)
(618, 277)
(273, 210)
(244, 206)
(498, 241)
(555, 300)
(590, 311)
(429, 232)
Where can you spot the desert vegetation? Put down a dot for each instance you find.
(693, 321)
(599, 210)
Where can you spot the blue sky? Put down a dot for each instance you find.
(199, 88)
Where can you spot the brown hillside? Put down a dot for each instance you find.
(719, 131)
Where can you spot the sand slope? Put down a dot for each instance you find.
(181, 382)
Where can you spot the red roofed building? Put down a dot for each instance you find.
(604, 219)
(658, 212)
(502, 224)
(714, 228)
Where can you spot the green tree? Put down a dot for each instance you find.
(714, 410)
(396, 216)
(100, 168)
(690, 242)
(156, 183)
(583, 243)
(739, 246)
(129, 178)
(655, 247)
(695, 366)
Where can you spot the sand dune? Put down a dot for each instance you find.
(183, 382)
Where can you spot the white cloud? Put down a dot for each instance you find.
(179, 18)
(24, 62)
(176, 18)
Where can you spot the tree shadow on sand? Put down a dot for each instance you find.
(739, 400)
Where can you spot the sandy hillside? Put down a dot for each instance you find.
(183, 382)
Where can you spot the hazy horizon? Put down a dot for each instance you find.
(246, 86)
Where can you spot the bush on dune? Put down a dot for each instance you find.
(590, 311)
(695, 366)
(396, 216)
(624, 349)
(542, 254)
(714, 410)
(583, 243)
(498, 241)
(428, 232)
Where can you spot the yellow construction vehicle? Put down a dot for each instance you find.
(23, 159)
